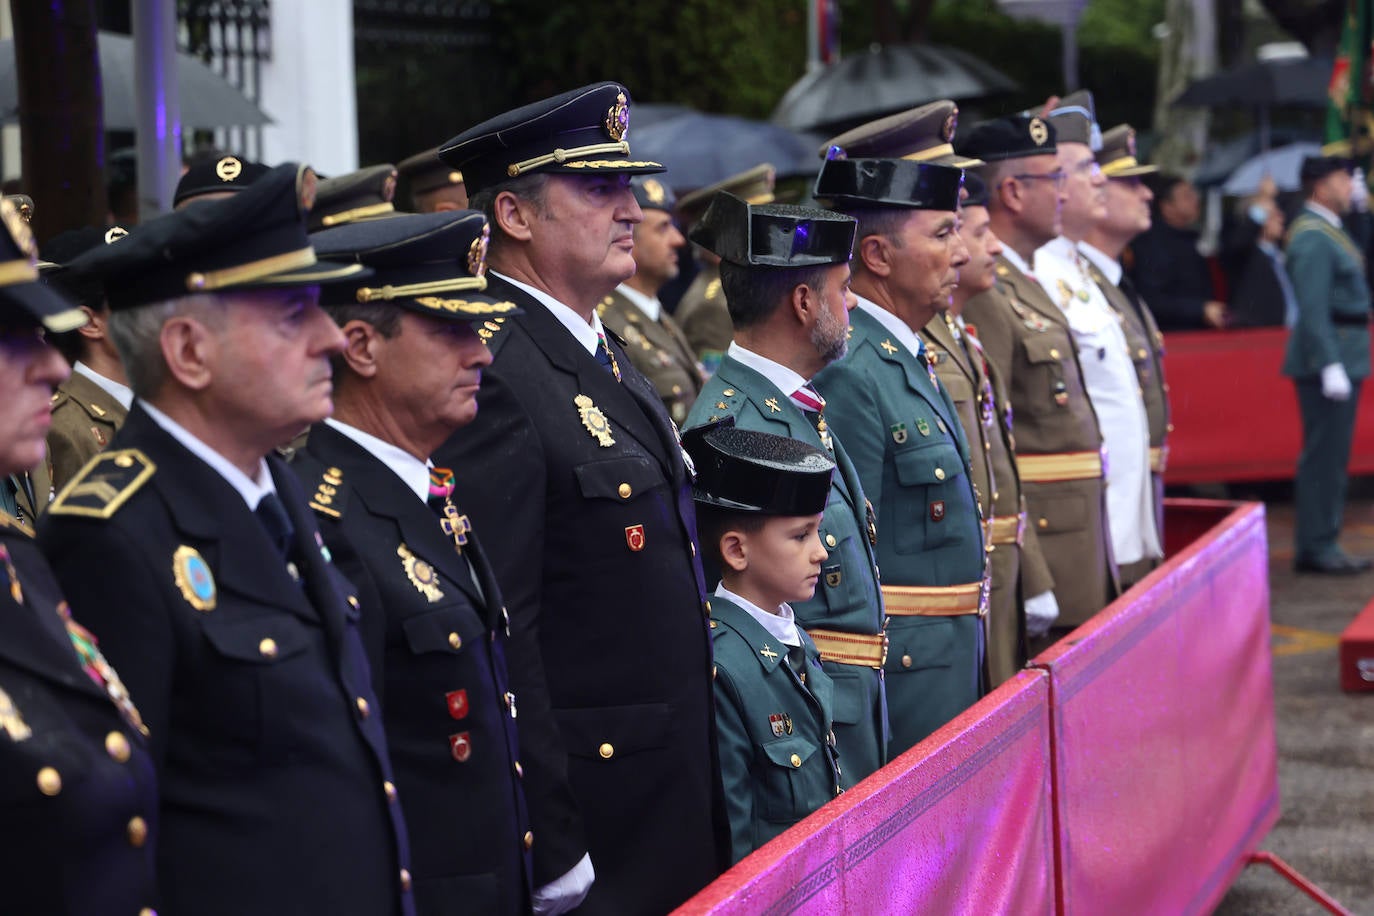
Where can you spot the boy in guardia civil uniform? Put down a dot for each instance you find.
(760, 502)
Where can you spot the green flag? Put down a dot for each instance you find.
(1348, 114)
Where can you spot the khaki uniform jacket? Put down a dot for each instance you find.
(704, 318)
(659, 350)
(1028, 342)
(85, 418)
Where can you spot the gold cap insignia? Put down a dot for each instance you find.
(193, 578)
(24, 205)
(18, 229)
(1039, 133)
(115, 233)
(455, 177)
(618, 118)
(228, 168)
(307, 183)
(389, 187)
(654, 191)
(950, 126)
(477, 252)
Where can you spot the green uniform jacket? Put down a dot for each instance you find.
(704, 318)
(777, 752)
(908, 447)
(85, 418)
(658, 350)
(1328, 274)
(847, 597)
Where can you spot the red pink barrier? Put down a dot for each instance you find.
(1132, 770)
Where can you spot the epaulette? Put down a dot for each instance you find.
(712, 289)
(329, 496)
(57, 398)
(9, 521)
(490, 328)
(106, 482)
(726, 403)
(1003, 270)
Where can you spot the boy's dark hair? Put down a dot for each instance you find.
(713, 522)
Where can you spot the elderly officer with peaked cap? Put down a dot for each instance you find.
(1030, 345)
(785, 271)
(432, 614)
(77, 787)
(189, 547)
(216, 179)
(633, 312)
(902, 430)
(365, 194)
(591, 526)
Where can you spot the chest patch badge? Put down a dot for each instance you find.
(634, 537)
(193, 578)
(780, 724)
(421, 574)
(594, 421)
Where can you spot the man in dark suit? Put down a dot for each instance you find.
(189, 547)
(575, 476)
(1261, 294)
(78, 796)
(432, 617)
(1167, 268)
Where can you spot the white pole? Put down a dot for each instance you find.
(813, 35)
(158, 108)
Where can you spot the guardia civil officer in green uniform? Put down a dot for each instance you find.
(188, 546)
(656, 344)
(902, 431)
(1327, 359)
(760, 500)
(785, 271)
(78, 796)
(432, 613)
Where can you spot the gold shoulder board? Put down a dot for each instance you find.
(104, 484)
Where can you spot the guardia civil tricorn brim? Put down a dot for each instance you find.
(580, 132)
(745, 470)
(255, 239)
(24, 300)
(774, 235)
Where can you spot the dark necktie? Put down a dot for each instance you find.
(605, 357)
(796, 660)
(274, 520)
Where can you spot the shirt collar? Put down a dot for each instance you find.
(587, 334)
(893, 325)
(413, 472)
(251, 490)
(1110, 267)
(783, 378)
(782, 626)
(121, 393)
(1017, 261)
(649, 305)
(1324, 213)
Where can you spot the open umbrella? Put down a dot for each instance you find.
(883, 81)
(1283, 164)
(207, 99)
(1284, 82)
(701, 149)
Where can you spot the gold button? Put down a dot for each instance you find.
(906, 661)
(353, 602)
(708, 606)
(405, 879)
(1141, 353)
(939, 473)
(389, 788)
(830, 540)
(796, 761)
(147, 911)
(607, 751)
(117, 746)
(268, 648)
(363, 709)
(49, 782)
(713, 672)
(1043, 523)
(519, 770)
(625, 491)
(137, 831)
(729, 392)
(529, 839)
(455, 640)
(1054, 353)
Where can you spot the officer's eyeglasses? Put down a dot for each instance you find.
(1058, 176)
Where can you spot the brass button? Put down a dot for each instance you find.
(1054, 353)
(529, 839)
(389, 788)
(796, 761)
(405, 879)
(607, 751)
(268, 648)
(939, 473)
(519, 770)
(364, 710)
(1141, 353)
(906, 661)
(455, 640)
(713, 672)
(117, 746)
(147, 911)
(708, 606)
(138, 832)
(353, 602)
(1043, 523)
(49, 782)
(830, 540)
(624, 491)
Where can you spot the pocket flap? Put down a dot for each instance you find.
(1042, 349)
(930, 464)
(959, 387)
(434, 631)
(1063, 513)
(610, 479)
(609, 732)
(260, 640)
(790, 752)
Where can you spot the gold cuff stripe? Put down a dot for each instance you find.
(1159, 459)
(1007, 529)
(348, 216)
(1060, 467)
(933, 600)
(561, 156)
(407, 290)
(17, 271)
(866, 651)
(253, 270)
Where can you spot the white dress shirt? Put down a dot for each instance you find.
(586, 332)
(893, 325)
(413, 472)
(649, 305)
(781, 625)
(782, 377)
(252, 489)
(121, 393)
(1110, 267)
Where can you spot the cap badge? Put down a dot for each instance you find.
(115, 233)
(228, 168)
(18, 229)
(477, 252)
(193, 578)
(950, 126)
(420, 574)
(618, 118)
(389, 188)
(654, 191)
(1039, 132)
(594, 421)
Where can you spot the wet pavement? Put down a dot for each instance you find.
(1325, 737)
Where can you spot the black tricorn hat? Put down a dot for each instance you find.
(743, 470)
(901, 183)
(1315, 168)
(977, 190)
(774, 235)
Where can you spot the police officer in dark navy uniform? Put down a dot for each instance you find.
(78, 797)
(433, 620)
(574, 476)
(189, 548)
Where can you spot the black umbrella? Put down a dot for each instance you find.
(206, 98)
(702, 149)
(883, 81)
(1286, 82)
